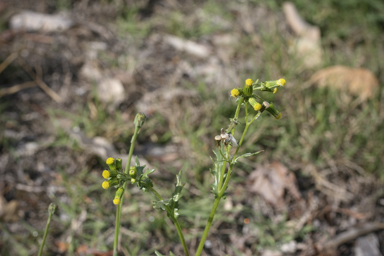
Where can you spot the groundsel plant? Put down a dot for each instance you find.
(136, 174)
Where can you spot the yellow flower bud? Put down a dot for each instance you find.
(281, 82)
(275, 90)
(235, 93)
(248, 82)
(110, 161)
(106, 174)
(278, 116)
(256, 105)
(105, 185)
(116, 201)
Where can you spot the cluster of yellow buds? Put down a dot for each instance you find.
(113, 176)
(247, 93)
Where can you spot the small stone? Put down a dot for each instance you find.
(111, 90)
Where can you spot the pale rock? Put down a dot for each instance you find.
(33, 21)
(290, 247)
(111, 90)
(188, 46)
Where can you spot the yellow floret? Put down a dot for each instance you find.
(110, 160)
(106, 174)
(278, 116)
(275, 90)
(281, 82)
(105, 185)
(248, 82)
(235, 93)
(116, 201)
(257, 107)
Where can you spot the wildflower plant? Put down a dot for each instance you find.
(138, 175)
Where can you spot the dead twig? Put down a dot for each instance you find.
(353, 233)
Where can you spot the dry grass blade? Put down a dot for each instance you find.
(16, 88)
(8, 61)
(38, 80)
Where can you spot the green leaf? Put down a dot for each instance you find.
(171, 205)
(247, 155)
(143, 181)
(216, 172)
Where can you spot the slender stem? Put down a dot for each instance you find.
(133, 140)
(117, 227)
(208, 226)
(180, 232)
(156, 193)
(120, 206)
(237, 114)
(51, 211)
(175, 221)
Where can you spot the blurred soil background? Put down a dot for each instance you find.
(73, 74)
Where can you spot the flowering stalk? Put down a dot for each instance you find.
(120, 203)
(51, 211)
(243, 96)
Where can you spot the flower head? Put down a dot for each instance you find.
(105, 185)
(257, 107)
(235, 93)
(116, 201)
(110, 161)
(248, 82)
(281, 82)
(106, 174)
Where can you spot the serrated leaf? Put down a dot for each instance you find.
(137, 161)
(247, 155)
(143, 181)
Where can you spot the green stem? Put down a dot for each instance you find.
(119, 207)
(237, 114)
(175, 221)
(117, 227)
(223, 187)
(208, 226)
(51, 211)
